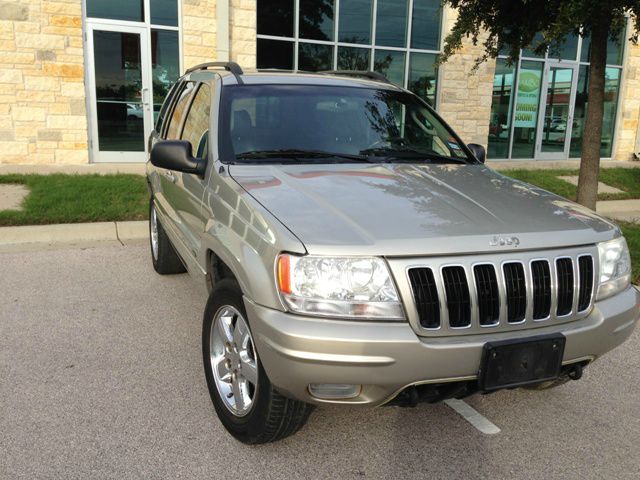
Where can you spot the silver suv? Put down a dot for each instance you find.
(357, 252)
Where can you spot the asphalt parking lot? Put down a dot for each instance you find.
(101, 377)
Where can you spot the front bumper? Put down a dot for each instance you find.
(387, 357)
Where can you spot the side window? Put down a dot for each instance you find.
(165, 106)
(173, 132)
(196, 126)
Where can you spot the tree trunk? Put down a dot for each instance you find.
(592, 133)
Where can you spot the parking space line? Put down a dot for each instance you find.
(472, 416)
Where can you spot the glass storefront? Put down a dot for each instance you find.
(539, 104)
(134, 58)
(398, 38)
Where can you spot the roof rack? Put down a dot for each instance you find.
(368, 74)
(232, 67)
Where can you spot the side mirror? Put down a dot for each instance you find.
(478, 151)
(177, 155)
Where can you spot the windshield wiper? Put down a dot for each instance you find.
(409, 154)
(294, 154)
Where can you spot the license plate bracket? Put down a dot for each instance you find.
(525, 361)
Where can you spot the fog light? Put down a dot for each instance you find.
(334, 391)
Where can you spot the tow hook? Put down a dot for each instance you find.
(576, 372)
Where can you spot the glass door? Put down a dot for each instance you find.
(120, 90)
(557, 106)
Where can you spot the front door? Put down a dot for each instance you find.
(120, 89)
(556, 112)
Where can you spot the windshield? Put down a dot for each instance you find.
(302, 123)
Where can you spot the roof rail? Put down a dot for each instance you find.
(232, 67)
(368, 74)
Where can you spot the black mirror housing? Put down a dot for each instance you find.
(478, 151)
(177, 155)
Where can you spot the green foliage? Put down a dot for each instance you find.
(511, 25)
(631, 232)
(78, 198)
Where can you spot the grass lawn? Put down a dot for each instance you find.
(78, 198)
(632, 234)
(626, 179)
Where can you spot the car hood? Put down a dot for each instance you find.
(408, 210)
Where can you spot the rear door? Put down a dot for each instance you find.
(196, 132)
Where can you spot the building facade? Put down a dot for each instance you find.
(82, 80)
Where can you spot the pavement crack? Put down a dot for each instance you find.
(118, 234)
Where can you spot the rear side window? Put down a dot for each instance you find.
(165, 106)
(173, 132)
(196, 126)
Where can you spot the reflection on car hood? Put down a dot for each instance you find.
(402, 210)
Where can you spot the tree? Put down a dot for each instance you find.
(511, 25)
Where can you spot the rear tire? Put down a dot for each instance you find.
(262, 415)
(163, 256)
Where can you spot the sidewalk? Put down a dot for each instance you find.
(624, 210)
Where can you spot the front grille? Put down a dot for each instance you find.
(506, 291)
(585, 270)
(516, 292)
(541, 279)
(458, 300)
(425, 294)
(564, 268)
(488, 294)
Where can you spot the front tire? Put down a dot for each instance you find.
(245, 400)
(164, 257)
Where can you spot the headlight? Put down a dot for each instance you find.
(345, 287)
(615, 267)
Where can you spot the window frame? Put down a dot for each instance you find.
(371, 46)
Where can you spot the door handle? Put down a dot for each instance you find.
(145, 97)
(170, 176)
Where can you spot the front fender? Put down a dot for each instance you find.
(246, 237)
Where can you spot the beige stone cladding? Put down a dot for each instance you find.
(466, 94)
(242, 29)
(198, 32)
(627, 131)
(42, 97)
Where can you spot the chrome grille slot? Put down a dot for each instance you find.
(585, 271)
(516, 286)
(458, 298)
(497, 292)
(425, 294)
(564, 274)
(488, 294)
(541, 279)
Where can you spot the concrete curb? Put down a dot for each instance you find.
(121, 233)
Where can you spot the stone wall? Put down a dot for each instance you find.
(627, 131)
(466, 94)
(42, 96)
(242, 41)
(198, 32)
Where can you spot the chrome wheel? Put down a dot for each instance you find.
(233, 360)
(153, 222)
